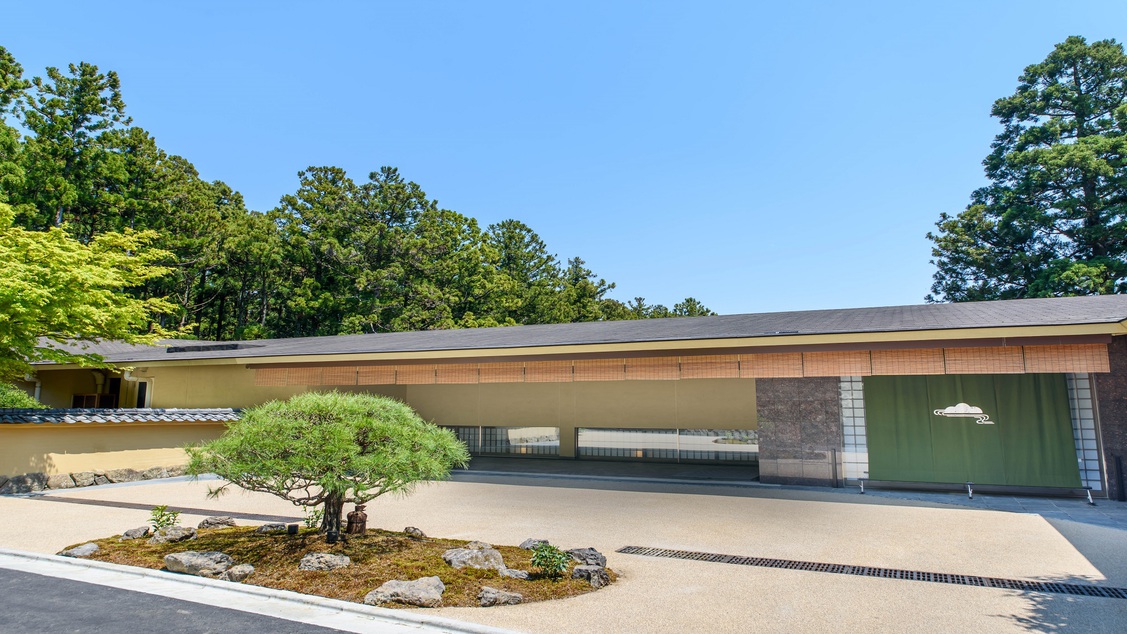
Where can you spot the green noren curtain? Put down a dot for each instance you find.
(1029, 443)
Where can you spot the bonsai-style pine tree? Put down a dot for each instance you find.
(329, 449)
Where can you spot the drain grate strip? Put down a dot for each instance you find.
(884, 573)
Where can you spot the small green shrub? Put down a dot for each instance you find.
(551, 561)
(313, 516)
(161, 517)
(14, 397)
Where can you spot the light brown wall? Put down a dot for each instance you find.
(69, 448)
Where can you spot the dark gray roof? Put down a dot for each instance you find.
(1103, 309)
(24, 416)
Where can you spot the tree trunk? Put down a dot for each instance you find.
(334, 509)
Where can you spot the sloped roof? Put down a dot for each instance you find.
(38, 416)
(1102, 309)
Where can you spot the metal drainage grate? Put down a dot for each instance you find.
(884, 573)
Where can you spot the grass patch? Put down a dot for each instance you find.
(377, 556)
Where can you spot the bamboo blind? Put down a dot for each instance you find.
(376, 375)
(547, 372)
(771, 365)
(270, 377)
(501, 373)
(851, 363)
(339, 375)
(653, 369)
(414, 375)
(600, 370)
(997, 360)
(461, 373)
(902, 362)
(1080, 358)
(721, 366)
(304, 376)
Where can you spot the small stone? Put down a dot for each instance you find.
(425, 592)
(83, 478)
(60, 481)
(588, 556)
(513, 573)
(531, 544)
(123, 475)
(176, 471)
(173, 534)
(489, 597)
(323, 561)
(414, 533)
(101, 479)
(272, 527)
(238, 573)
(595, 575)
(476, 545)
(209, 564)
(85, 550)
(481, 559)
(217, 521)
(135, 533)
(154, 473)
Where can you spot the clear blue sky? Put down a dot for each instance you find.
(766, 157)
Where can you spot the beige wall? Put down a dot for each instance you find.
(69, 448)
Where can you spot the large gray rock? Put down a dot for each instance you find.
(83, 478)
(588, 557)
(595, 575)
(272, 527)
(60, 481)
(173, 534)
(489, 597)
(154, 473)
(482, 558)
(414, 533)
(217, 521)
(123, 475)
(425, 592)
(85, 550)
(209, 564)
(532, 544)
(513, 573)
(237, 573)
(135, 533)
(323, 561)
(26, 483)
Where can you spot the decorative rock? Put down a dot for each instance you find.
(425, 592)
(588, 556)
(513, 573)
(476, 545)
(489, 597)
(173, 534)
(154, 473)
(60, 481)
(323, 561)
(85, 550)
(176, 471)
(123, 475)
(217, 521)
(135, 533)
(27, 483)
(414, 533)
(237, 573)
(100, 478)
(83, 478)
(531, 544)
(206, 564)
(595, 575)
(482, 559)
(272, 527)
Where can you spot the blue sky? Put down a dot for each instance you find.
(760, 157)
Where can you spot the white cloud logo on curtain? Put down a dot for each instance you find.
(962, 410)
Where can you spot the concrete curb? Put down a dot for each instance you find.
(283, 604)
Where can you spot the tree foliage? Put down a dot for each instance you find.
(329, 449)
(55, 288)
(1053, 220)
(13, 397)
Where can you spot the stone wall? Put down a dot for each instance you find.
(1111, 397)
(33, 482)
(799, 430)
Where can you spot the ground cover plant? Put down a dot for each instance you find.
(377, 556)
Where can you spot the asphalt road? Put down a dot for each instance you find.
(36, 604)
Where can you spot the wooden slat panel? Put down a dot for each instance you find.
(903, 362)
(339, 376)
(653, 369)
(548, 372)
(1080, 358)
(501, 373)
(996, 360)
(850, 363)
(456, 373)
(270, 377)
(414, 374)
(376, 375)
(600, 370)
(720, 366)
(775, 365)
(304, 376)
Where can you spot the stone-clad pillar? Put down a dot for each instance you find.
(1111, 402)
(799, 429)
